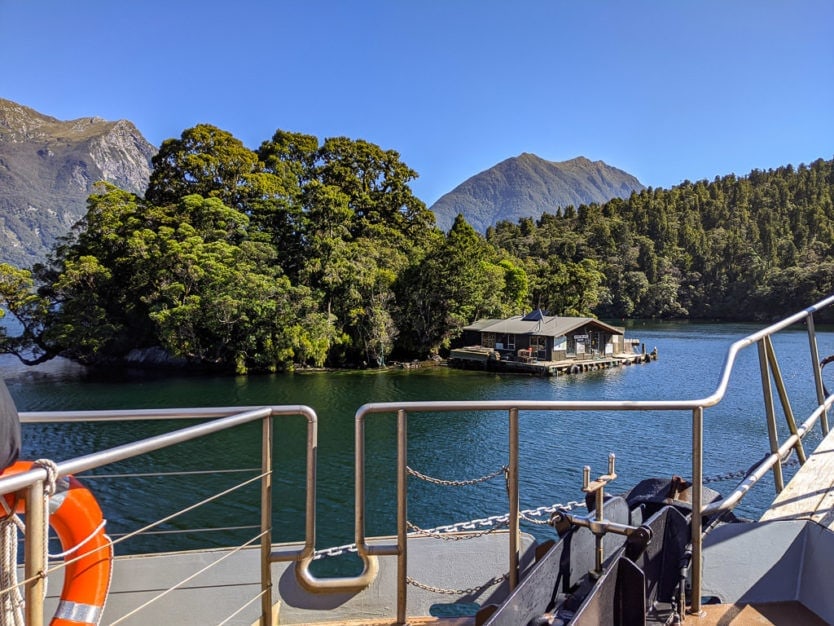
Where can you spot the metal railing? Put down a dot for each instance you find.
(769, 370)
(32, 481)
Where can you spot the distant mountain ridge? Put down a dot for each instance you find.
(48, 168)
(528, 186)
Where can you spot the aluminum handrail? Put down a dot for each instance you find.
(513, 407)
(31, 482)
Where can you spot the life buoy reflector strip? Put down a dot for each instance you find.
(76, 517)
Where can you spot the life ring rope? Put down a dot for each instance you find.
(81, 543)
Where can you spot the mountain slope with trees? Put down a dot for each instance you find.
(529, 186)
(312, 253)
(736, 248)
(48, 169)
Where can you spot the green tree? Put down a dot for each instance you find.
(460, 280)
(205, 161)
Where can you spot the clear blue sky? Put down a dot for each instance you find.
(666, 90)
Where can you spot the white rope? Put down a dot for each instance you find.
(80, 544)
(49, 489)
(11, 602)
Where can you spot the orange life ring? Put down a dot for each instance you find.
(76, 517)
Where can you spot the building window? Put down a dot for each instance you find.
(538, 346)
(488, 340)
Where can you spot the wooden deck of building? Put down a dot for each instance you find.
(477, 357)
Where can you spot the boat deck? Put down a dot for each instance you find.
(781, 613)
(412, 621)
(809, 496)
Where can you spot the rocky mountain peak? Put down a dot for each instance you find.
(49, 167)
(528, 186)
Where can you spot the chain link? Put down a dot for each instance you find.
(494, 522)
(449, 536)
(472, 525)
(457, 483)
(458, 592)
(742, 473)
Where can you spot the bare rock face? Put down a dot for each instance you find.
(48, 169)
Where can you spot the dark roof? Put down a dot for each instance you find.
(546, 326)
(534, 316)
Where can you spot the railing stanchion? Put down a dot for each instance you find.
(512, 480)
(402, 515)
(266, 520)
(815, 363)
(783, 398)
(697, 486)
(770, 413)
(35, 565)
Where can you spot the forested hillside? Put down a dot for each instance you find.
(317, 253)
(529, 186)
(740, 248)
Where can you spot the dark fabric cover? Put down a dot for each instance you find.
(9, 429)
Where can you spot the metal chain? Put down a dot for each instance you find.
(498, 521)
(548, 510)
(742, 473)
(458, 592)
(446, 536)
(457, 483)
(486, 522)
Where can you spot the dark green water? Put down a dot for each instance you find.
(554, 448)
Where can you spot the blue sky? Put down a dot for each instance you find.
(666, 91)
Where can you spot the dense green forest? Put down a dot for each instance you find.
(736, 248)
(317, 253)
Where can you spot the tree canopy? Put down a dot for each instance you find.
(308, 252)
(238, 259)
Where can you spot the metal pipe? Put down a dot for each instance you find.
(370, 564)
(770, 413)
(729, 502)
(512, 480)
(697, 487)
(309, 547)
(34, 552)
(815, 363)
(402, 515)
(120, 453)
(266, 521)
(598, 519)
(783, 396)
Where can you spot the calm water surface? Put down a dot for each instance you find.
(554, 448)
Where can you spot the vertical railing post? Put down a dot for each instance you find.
(815, 363)
(772, 433)
(697, 486)
(34, 550)
(783, 398)
(512, 480)
(266, 520)
(402, 515)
